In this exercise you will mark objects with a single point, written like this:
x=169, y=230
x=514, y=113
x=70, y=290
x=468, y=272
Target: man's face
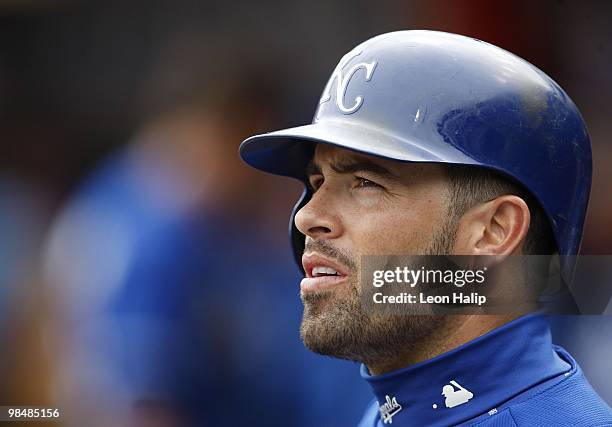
x=364, y=205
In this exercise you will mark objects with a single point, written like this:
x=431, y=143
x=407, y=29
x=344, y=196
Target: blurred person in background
x=156, y=262
x=24, y=360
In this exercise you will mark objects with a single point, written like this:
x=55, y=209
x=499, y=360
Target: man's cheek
x=391, y=241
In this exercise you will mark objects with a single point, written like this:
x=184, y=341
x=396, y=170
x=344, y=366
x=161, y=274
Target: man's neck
x=454, y=332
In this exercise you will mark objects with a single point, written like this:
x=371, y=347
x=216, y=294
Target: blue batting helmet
x=427, y=96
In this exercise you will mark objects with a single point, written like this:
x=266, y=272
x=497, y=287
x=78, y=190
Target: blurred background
x=146, y=275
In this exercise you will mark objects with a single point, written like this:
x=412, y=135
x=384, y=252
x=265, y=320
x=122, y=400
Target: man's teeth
x=323, y=271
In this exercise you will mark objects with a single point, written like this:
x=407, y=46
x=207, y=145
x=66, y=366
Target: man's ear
x=496, y=228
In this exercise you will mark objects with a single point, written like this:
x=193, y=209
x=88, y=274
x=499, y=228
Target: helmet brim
x=287, y=152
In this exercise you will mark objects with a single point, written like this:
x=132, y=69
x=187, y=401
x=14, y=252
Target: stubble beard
x=339, y=326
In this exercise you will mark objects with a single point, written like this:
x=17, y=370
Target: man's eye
x=366, y=183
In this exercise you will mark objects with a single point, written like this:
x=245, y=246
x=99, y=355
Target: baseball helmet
x=428, y=96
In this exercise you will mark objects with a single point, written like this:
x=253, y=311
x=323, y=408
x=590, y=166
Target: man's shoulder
x=569, y=402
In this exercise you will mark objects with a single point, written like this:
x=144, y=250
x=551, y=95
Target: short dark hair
x=470, y=185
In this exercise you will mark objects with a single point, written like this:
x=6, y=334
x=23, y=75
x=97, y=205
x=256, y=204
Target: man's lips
x=321, y=273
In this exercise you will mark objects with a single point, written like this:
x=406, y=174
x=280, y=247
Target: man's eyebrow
x=363, y=165
x=352, y=166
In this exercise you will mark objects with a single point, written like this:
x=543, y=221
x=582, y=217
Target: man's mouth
x=321, y=273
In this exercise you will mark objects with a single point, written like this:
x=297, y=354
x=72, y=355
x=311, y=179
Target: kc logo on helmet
x=342, y=81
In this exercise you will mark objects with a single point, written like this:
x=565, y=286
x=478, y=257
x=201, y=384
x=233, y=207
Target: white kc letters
x=342, y=81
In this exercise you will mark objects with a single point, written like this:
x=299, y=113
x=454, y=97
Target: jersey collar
x=471, y=379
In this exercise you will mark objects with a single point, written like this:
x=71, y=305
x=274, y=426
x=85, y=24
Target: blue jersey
x=511, y=376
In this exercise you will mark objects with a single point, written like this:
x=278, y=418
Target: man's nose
x=318, y=219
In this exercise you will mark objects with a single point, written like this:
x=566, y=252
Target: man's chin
x=333, y=324
x=318, y=339
x=340, y=328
